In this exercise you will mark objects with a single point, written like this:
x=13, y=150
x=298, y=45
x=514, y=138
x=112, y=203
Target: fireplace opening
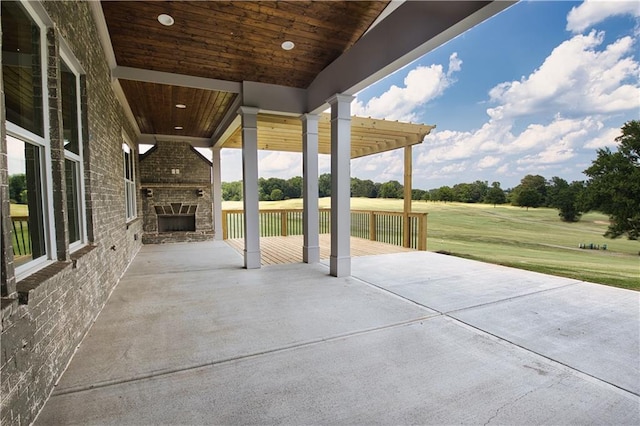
x=177, y=223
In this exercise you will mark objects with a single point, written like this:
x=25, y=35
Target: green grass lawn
x=533, y=239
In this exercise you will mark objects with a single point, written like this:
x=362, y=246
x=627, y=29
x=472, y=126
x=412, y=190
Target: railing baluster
x=21, y=243
x=283, y=222
x=15, y=233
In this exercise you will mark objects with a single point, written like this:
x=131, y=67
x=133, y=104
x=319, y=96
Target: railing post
x=408, y=166
x=422, y=233
x=406, y=240
x=372, y=226
x=283, y=222
x=225, y=229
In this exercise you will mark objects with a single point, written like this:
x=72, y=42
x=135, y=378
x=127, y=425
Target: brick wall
x=174, y=172
x=7, y=276
x=56, y=306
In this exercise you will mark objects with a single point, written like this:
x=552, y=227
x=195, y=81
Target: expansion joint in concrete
x=167, y=372
x=449, y=314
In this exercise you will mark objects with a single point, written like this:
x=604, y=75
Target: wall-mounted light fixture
x=200, y=192
x=148, y=192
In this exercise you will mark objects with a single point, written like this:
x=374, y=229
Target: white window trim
x=38, y=263
x=36, y=13
x=76, y=69
x=47, y=195
x=134, y=201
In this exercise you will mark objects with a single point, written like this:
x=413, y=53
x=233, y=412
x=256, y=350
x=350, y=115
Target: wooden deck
x=279, y=250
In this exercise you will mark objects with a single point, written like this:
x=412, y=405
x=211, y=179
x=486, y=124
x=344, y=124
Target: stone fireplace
x=176, y=194
x=176, y=217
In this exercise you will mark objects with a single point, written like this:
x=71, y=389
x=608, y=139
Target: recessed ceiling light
x=178, y=127
x=288, y=45
x=181, y=106
x=166, y=20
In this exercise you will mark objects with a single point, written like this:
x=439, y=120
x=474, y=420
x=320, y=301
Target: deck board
x=281, y=250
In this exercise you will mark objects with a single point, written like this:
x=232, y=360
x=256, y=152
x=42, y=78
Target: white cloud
x=539, y=146
x=448, y=145
x=488, y=161
x=592, y=12
x=560, y=132
x=604, y=138
x=454, y=168
x=503, y=170
x=380, y=167
x=455, y=64
x=575, y=78
x=270, y=164
x=553, y=154
x=421, y=85
x=324, y=164
x=280, y=164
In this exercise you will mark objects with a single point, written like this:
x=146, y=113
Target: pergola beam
x=368, y=136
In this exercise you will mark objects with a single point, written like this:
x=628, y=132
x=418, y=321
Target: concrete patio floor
x=189, y=337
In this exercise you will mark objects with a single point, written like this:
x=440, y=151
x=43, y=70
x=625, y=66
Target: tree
x=369, y=189
x=363, y=188
x=444, y=193
x=566, y=198
x=530, y=184
x=528, y=197
x=276, y=194
x=418, y=194
x=614, y=187
x=324, y=185
x=462, y=192
x=293, y=187
x=391, y=189
x=268, y=185
x=495, y=195
x=537, y=182
x=18, y=184
x=232, y=191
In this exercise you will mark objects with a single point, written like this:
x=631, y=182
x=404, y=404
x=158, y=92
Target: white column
x=250, y=187
x=340, y=259
x=217, y=194
x=310, y=218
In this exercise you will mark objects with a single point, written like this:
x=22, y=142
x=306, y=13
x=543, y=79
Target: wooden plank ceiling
x=198, y=111
x=225, y=40
x=368, y=135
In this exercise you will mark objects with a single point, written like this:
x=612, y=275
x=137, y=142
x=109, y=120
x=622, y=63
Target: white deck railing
x=383, y=226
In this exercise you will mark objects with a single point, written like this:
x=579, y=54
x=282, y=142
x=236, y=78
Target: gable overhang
x=413, y=29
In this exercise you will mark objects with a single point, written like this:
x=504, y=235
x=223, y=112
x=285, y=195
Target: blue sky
x=534, y=90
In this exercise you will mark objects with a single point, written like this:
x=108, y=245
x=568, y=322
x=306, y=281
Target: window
x=22, y=68
x=129, y=181
x=28, y=147
x=27, y=201
x=71, y=125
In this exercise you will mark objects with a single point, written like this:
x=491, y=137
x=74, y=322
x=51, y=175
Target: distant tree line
x=18, y=188
x=613, y=188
